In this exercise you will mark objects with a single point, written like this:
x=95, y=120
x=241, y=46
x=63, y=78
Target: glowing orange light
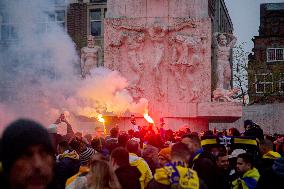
x=102, y=120
x=148, y=118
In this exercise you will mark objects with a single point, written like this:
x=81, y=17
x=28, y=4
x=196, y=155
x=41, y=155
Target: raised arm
x=215, y=38
x=233, y=41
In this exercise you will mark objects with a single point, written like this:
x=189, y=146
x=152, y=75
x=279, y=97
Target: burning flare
x=100, y=118
x=148, y=118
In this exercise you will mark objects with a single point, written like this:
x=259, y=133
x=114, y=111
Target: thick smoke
x=39, y=71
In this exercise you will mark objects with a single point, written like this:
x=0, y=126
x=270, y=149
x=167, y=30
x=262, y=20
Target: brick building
x=266, y=64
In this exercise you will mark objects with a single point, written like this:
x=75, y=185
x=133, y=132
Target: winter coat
x=141, y=164
x=203, y=163
x=67, y=165
x=272, y=177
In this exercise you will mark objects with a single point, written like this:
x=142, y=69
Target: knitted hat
x=52, y=128
x=86, y=155
x=18, y=137
x=166, y=153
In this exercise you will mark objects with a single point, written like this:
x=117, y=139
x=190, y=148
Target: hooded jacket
x=267, y=161
x=67, y=165
x=141, y=164
x=248, y=180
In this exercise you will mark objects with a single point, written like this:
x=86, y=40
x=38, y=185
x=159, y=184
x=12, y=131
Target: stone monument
x=163, y=48
x=90, y=57
x=224, y=42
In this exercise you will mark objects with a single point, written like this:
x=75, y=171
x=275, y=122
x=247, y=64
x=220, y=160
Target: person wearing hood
x=128, y=176
x=67, y=162
x=248, y=174
x=273, y=177
x=176, y=174
x=268, y=156
x=146, y=174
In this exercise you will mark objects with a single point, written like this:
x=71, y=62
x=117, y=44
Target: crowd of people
x=148, y=157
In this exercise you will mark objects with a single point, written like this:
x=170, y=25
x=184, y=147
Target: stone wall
x=270, y=117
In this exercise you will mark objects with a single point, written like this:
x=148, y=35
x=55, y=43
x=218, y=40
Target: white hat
x=237, y=152
x=52, y=128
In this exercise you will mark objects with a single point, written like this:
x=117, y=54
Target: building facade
x=84, y=17
x=266, y=64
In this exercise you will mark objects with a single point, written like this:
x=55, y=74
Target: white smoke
x=38, y=74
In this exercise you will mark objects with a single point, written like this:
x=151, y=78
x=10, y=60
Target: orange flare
x=148, y=118
x=100, y=118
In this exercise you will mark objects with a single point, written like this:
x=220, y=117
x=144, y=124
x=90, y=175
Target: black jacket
x=272, y=177
x=128, y=177
x=205, y=167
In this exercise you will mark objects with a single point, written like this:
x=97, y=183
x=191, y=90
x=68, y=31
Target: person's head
x=122, y=139
x=192, y=141
x=99, y=132
x=114, y=132
x=97, y=144
x=27, y=155
x=62, y=147
x=78, y=145
x=164, y=156
x=234, y=132
x=180, y=152
x=132, y=146
x=101, y=176
x=119, y=157
x=222, y=160
x=222, y=40
x=132, y=120
x=265, y=146
x=248, y=123
x=244, y=162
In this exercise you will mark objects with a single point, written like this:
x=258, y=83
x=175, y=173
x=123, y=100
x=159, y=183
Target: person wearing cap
x=164, y=156
x=27, y=157
x=52, y=130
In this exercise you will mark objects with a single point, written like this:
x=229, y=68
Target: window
x=8, y=29
x=263, y=83
x=46, y=22
x=96, y=21
x=275, y=54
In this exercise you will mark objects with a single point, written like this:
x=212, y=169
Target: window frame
x=264, y=83
x=275, y=53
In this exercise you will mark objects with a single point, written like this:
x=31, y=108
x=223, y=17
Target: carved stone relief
x=158, y=53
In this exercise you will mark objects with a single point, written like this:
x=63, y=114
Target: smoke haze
x=39, y=76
